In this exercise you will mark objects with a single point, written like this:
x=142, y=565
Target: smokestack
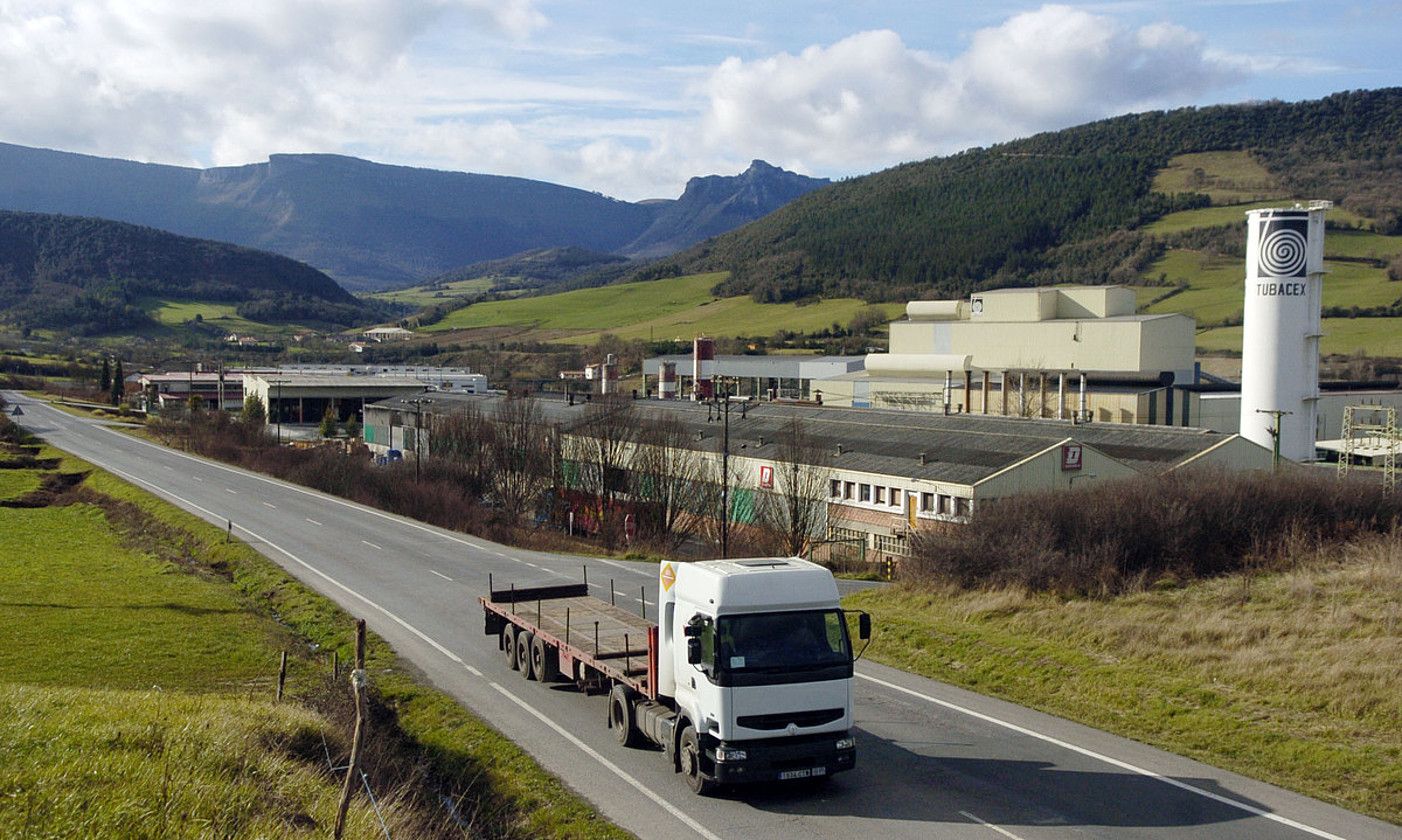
x=948, y=384
x=1082, y=413
x=703, y=368
x=1061, y=396
x=667, y=381
x=1281, y=327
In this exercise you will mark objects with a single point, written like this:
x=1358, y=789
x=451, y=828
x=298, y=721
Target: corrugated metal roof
x=958, y=448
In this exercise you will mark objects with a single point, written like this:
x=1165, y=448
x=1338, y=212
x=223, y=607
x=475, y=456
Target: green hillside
x=676, y=308
x=92, y=276
x=1073, y=205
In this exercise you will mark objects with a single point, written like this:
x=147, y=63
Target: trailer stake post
x=627, y=655
x=642, y=600
x=613, y=597
x=596, y=638
x=567, y=626
x=513, y=599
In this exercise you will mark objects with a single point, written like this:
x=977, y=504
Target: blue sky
x=631, y=99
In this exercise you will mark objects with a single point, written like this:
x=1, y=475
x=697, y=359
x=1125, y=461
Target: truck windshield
x=782, y=641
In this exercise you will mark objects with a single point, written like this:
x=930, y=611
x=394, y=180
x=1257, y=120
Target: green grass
x=80, y=609
x=80, y=762
x=17, y=483
x=1228, y=177
x=176, y=315
x=1342, y=336
x=676, y=308
x=1236, y=215
x=1290, y=677
x=1361, y=243
x=427, y=296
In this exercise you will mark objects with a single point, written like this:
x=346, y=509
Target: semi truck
x=745, y=675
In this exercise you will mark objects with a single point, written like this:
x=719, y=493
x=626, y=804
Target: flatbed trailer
x=563, y=631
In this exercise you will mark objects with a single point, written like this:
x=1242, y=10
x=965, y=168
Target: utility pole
x=279, y=408
x=723, y=394
x=418, y=433
x=1275, y=434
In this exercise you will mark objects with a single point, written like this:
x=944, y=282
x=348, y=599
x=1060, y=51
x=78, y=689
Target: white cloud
x=869, y=100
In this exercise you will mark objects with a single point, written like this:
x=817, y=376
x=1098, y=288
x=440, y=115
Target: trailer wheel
x=524, y=640
x=545, y=661
x=508, y=644
x=621, y=717
x=689, y=753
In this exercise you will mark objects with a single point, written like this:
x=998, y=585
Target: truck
x=745, y=676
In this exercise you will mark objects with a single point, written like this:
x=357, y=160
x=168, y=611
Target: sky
x=632, y=99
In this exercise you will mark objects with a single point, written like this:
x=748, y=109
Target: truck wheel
x=545, y=661
x=508, y=644
x=524, y=641
x=689, y=753
x=625, y=727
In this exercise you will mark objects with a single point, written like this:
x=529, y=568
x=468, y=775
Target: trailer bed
x=609, y=639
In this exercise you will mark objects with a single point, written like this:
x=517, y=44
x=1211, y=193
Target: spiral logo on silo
x=1284, y=247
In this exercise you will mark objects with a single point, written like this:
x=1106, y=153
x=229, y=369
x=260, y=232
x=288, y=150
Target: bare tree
x=669, y=482
x=795, y=511
x=466, y=438
x=600, y=447
x=522, y=463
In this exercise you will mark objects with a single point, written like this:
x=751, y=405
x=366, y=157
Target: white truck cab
x=756, y=657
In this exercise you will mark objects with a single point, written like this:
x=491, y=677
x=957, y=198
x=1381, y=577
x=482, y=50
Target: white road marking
x=986, y=824
x=440, y=574
x=270, y=505
x=372, y=545
x=227, y=490
x=197, y=478
x=471, y=670
x=1114, y=762
x=313, y=521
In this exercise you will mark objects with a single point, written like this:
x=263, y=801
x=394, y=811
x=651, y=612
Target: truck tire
x=524, y=640
x=545, y=661
x=691, y=759
x=508, y=644
x=622, y=719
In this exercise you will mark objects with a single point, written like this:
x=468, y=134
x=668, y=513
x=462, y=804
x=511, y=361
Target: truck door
x=697, y=691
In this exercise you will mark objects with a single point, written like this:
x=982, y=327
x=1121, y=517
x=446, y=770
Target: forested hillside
x=1057, y=207
x=91, y=276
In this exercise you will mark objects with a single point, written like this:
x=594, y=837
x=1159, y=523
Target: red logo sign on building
x=1070, y=456
x=766, y=477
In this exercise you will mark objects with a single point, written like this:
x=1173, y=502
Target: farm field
x=1228, y=177
x=429, y=295
x=1342, y=336
x=674, y=308
x=1234, y=214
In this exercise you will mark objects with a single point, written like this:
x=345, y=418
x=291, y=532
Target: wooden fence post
x=358, y=681
x=281, y=675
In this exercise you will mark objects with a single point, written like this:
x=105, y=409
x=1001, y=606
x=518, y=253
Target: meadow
x=672, y=309
x=427, y=295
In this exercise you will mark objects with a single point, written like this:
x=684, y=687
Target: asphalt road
x=933, y=761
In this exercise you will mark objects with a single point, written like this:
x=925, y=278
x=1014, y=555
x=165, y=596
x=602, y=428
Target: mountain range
x=373, y=226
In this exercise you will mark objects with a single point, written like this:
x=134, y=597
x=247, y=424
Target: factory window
x=927, y=502
x=864, y=493
x=835, y=488
x=895, y=497
x=961, y=507
x=847, y=489
x=944, y=505
x=881, y=495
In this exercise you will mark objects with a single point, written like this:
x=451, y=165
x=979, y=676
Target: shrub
x=1124, y=535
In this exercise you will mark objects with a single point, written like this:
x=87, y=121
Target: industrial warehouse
x=881, y=474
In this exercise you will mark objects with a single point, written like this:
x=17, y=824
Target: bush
x=1123, y=535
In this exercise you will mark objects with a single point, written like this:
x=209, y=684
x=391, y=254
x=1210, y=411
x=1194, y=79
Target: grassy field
x=1342, y=336
x=1236, y=215
x=677, y=308
x=1228, y=177
x=1287, y=677
x=1215, y=292
x=175, y=314
x=429, y=295
x=136, y=690
x=17, y=483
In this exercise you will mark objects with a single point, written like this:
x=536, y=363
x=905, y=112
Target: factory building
x=884, y=473
x=304, y=395
x=760, y=377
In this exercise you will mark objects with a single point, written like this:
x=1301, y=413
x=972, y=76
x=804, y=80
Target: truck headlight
x=730, y=754
x=848, y=743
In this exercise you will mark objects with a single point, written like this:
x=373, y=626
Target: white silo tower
x=1280, y=327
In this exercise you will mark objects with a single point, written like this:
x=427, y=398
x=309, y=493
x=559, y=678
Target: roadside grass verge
x=17, y=483
x=141, y=645
x=1289, y=677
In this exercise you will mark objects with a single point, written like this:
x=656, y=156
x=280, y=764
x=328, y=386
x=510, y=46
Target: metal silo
x=1281, y=328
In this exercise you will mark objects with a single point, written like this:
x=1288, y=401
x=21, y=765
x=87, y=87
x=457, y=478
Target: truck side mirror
x=864, y=626
x=691, y=630
x=693, y=651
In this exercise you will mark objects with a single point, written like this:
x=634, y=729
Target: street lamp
x=723, y=408
x=418, y=430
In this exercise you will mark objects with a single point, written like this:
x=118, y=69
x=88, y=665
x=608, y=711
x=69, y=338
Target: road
x=934, y=761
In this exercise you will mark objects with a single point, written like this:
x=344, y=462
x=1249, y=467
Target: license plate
x=806, y=773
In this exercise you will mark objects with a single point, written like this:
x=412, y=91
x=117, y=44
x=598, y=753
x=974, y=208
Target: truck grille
x=781, y=720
